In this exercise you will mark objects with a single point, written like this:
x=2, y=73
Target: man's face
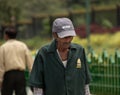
x=64, y=42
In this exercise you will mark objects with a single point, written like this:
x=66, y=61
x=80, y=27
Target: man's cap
x=63, y=27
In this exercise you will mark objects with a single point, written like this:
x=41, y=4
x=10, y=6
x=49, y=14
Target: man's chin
x=66, y=47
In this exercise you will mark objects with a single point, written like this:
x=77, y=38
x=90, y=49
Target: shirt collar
x=11, y=40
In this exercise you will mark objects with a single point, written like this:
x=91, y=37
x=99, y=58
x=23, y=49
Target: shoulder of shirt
x=15, y=41
x=44, y=48
x=77, y=46
x=20, y=42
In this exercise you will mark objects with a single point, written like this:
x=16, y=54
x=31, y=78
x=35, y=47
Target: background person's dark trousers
x=14, y=80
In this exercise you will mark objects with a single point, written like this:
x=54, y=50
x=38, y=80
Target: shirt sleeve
x=2, y=66
x=87, y=73
x=29, y=59
x=87, y=90
x=37, y=91
x=36, y=78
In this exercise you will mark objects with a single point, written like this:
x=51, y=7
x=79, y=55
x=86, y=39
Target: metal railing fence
x=105, y=72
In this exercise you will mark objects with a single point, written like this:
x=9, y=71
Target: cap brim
x=66, y=34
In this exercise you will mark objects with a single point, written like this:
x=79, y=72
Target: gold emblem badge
x=78, y=63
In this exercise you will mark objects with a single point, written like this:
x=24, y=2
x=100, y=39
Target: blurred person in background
x=60, y=68
x=14, y=58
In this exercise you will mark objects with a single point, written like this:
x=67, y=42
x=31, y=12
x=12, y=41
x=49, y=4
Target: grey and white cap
x=63, y=27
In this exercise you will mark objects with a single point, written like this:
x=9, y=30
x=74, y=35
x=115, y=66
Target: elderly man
x=60, y=68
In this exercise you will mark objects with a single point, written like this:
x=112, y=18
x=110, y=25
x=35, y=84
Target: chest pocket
x=80, y=68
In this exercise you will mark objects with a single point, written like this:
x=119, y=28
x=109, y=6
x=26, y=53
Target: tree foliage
x=8, y=9
x=25, y=8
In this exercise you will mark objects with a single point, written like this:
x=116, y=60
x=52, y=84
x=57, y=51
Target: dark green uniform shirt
x=49, y=73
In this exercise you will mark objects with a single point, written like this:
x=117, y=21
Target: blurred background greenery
x=34, y=15
x=24, y=9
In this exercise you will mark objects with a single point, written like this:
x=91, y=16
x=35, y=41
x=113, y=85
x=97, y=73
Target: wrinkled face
x=64, y=43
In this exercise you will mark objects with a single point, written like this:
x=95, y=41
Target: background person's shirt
x=14, y=55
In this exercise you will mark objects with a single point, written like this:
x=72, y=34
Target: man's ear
x=55, y=35
x=6, y=37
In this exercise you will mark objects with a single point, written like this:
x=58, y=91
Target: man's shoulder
x=3, y=45
x=77, y=46
x=44, y=48
x=20, y=42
